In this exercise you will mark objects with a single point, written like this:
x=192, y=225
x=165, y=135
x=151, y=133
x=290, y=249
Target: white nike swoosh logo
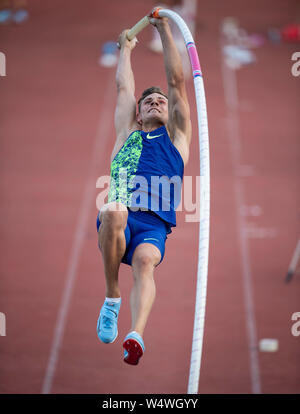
x=153, y=136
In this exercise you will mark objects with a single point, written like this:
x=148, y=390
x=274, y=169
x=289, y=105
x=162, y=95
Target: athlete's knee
x=143, y=261
x=114, y=216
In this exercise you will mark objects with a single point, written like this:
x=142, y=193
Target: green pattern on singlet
x=123, y=169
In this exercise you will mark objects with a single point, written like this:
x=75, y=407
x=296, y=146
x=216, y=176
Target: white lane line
x=294, y=262
x=232, y=102
x=98, y=154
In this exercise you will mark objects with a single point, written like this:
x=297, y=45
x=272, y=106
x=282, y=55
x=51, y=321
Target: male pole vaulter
x=152, y=143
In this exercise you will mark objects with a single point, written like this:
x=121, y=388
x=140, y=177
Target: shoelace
x=108, y=321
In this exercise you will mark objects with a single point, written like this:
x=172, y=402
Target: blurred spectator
x=291, y=32
x=13, y=11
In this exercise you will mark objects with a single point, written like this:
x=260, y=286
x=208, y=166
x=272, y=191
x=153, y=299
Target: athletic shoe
x=107, y=325
x=134, y=348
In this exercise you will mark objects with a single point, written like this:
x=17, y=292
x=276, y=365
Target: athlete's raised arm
x=125, y=112
x=179, y=124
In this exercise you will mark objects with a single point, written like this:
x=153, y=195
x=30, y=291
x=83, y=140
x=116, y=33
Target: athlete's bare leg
x=146, y=256
x=112, y=243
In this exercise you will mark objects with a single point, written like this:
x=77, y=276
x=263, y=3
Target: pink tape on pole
x=194, y=59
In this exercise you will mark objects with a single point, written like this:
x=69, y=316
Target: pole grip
x=137, y=28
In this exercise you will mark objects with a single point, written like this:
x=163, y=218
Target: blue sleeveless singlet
x=147, y=174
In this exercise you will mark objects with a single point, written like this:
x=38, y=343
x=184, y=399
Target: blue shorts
x=143, y=227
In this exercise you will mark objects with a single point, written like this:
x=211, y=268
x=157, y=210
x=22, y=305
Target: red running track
x=56, y=114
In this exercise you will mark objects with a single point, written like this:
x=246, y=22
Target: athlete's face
x=154, y=108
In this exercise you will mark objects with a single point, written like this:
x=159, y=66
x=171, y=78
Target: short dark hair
x=149, y=91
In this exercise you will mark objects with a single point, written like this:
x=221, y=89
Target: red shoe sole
x=135, y=351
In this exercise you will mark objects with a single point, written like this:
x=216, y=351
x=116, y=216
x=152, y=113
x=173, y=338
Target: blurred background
x=57, y=99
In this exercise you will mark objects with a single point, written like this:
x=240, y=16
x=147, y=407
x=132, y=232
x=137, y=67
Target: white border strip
x=88, y=197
